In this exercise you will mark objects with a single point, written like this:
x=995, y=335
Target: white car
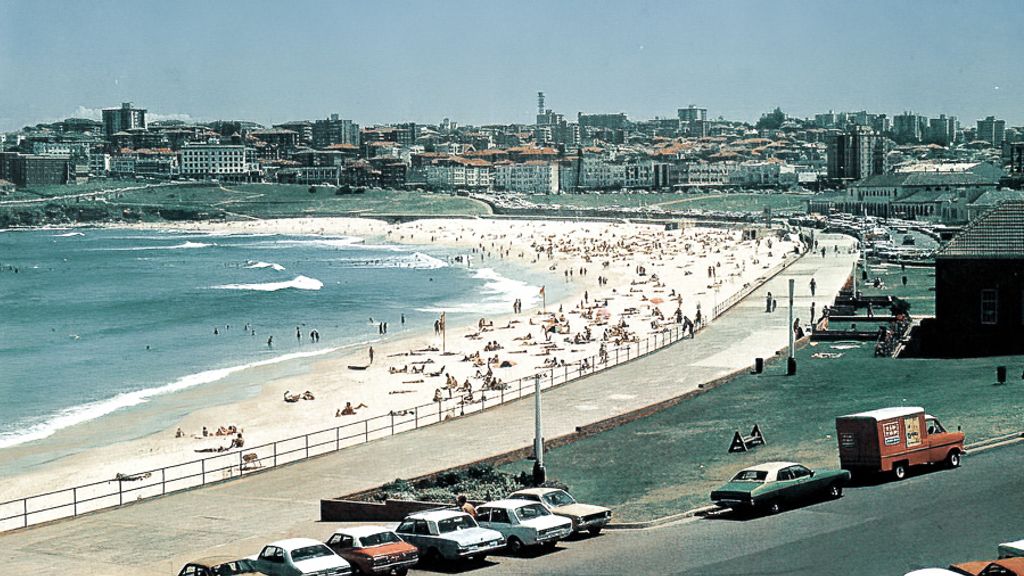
x=449, y=535
x=523, y=523
x=1011, y=549
x=585, y=517
x=300, y=557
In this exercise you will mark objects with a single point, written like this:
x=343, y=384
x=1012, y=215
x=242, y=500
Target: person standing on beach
x=768, y=303
x=403, y=319
x=270, y=342
x=298, y=334
x=371, y=354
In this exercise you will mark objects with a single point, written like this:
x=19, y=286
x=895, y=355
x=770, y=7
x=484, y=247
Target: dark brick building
x=979, y=289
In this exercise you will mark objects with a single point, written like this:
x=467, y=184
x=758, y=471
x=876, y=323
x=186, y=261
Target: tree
x=771, y=120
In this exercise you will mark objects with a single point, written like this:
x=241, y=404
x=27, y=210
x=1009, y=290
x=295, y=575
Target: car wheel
x=550, y=545
x=594, y=531
x=515, y=546
x=835, y=491
x=431, y=557
x=899, y=471
x=774, y=507
x=401, y=571
x=953, y=459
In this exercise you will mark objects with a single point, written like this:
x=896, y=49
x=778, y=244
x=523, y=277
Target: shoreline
x=259, y=416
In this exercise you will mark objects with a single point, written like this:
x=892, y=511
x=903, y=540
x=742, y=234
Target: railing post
x=275, y=454
x=202, y=464
x=417, y=416
x=616, y=355
x=392, y=423
x=520, y=387
x=120, y=493
x=566, y=373
x=24, y=511
x=163, y=481
x=241, y=472
x=366, y=430
x=306, y=438
x=74, y=501
x=337, y=438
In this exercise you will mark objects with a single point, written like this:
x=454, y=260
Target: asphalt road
x=933, y=518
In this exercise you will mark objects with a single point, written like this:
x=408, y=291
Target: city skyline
x=480, y=65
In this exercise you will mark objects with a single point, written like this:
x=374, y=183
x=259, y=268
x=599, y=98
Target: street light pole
x=791, y=362
x=539, y=474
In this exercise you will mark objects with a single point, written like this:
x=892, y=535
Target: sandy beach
x=627, y=282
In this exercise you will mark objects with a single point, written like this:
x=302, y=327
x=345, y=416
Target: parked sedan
x=772, y=486
x=449, y=535
x=374, y=550
x=523, y=523
x=300, y=557
x=218, y=566
x=584, y=517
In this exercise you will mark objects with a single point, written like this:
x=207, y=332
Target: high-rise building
x=909, y=128
x=858, y=153
x=124, y=118
x=942, y=130
x=992, y=131
x=334, y=130
x=693, y=114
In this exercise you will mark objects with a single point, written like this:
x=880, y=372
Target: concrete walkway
x=236, y=518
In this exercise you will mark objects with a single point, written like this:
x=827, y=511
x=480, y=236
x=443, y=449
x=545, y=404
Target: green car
x=772, y=486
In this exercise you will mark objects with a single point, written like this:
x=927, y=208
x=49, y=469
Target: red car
x=374, y=550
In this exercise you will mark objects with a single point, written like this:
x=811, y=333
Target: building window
x=989, y=302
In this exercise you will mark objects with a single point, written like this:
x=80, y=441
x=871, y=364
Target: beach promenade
x=237, y=518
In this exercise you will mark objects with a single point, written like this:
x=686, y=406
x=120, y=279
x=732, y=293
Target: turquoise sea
x=96, y=323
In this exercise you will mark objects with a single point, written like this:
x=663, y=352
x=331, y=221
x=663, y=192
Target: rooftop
x=999, y=233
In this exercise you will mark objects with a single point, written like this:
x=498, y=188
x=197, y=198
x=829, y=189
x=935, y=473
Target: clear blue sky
x=481, y=61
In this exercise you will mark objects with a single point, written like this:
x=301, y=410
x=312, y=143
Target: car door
x=783, y=488
x=272, y=561
x=342, y=544
x=407, y=530
x=805, y=485
x=501, y=522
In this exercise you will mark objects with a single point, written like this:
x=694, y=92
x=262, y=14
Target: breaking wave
x=298, y=283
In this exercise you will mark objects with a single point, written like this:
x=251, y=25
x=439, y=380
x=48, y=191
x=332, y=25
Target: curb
x=976, y=447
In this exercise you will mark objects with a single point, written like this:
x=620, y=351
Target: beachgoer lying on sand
x=132, y=477
x=226, y=430
x=401, y=412
x=438, y=373
x=402, y=370
x=349, y=409
x=307, y=395
x=291, y=397
x=237, y=442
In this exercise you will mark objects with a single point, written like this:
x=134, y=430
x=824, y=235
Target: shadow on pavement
x=454, y=567
x=530, y=552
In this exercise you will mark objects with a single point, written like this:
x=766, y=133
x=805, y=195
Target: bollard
x=758, y=365
x=791, y=367
x=1001, y=374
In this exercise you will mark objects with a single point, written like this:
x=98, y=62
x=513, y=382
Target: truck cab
x=894, y=439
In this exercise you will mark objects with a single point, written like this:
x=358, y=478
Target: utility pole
x=791, y=363
x=539, y=474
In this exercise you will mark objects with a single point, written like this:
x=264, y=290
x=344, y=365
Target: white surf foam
x=252, y=264
x=498, y=294
x=93, y=410
x=299, y=283
x=416, y=260
x=68, y=234
x=183, y=246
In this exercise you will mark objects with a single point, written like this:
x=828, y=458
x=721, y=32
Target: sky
x=481, y=61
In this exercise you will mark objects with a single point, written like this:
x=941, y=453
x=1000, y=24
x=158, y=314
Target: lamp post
x=539, y=474
x=791, y=362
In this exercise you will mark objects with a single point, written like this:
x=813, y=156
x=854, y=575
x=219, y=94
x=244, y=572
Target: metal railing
x=71, y=502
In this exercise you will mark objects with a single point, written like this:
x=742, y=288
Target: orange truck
x=893, y=440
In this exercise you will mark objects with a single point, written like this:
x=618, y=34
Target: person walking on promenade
x=465, y=506
x=814, y=286
x=768, y=302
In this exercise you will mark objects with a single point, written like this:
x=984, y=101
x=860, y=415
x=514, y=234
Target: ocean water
x=97, y=323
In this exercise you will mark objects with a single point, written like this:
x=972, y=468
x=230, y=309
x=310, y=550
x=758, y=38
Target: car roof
x=360, y=531
x=508, y=503
x=771, y=466
x=1014, y=564
x=293, y=543
x=887, y=413
x=536, y=491
x=436, y=515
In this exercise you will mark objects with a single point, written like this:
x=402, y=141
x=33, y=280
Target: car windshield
x=559, y=498
x=462, y=522
x=751, y=476
x=379, y=539
x=531, y=511
x=307, y=552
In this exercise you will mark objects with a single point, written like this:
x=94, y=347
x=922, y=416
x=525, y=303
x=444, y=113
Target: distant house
x=979, y=289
